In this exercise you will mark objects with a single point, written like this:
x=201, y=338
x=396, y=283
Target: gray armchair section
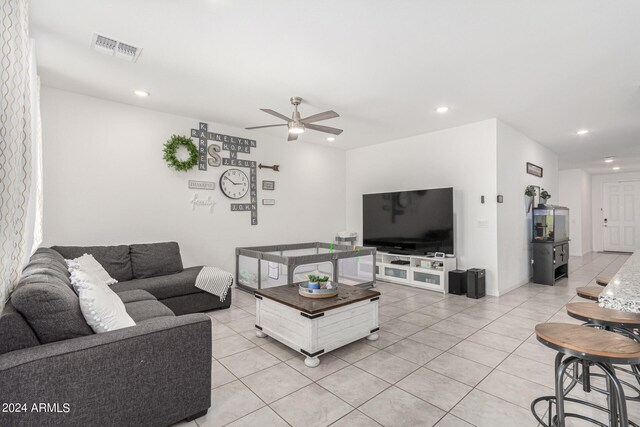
x=153, y=374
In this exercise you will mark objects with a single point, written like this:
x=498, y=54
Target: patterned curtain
x=19, y=145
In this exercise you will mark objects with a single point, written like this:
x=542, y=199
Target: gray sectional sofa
x=155, y=373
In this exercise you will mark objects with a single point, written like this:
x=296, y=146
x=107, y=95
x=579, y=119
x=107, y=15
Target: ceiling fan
x=297, y=125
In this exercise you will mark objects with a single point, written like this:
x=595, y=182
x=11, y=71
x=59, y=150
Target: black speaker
x=476, y=282
x=458, y=282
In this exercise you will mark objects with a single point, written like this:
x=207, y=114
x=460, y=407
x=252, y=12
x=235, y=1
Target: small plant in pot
x=314, y=281
x=323, y=281
x=529, y=193
x=544, y=195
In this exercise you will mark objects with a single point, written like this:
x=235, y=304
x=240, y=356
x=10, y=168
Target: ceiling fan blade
x=326, y=129
x=292, y=137
x=320, y=116
x=275, y=113
x=266, y=126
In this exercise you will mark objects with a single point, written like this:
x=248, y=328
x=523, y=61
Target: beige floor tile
x=435, y=339
x=419, y=319
x=353, y=385
x=479, y=353
x=387, y=366
x=355, y=419
x=497, y=341
x=275, y=382
x=400, y=328
x=453, y=328
x=249, y=361
x=264, y=417
x=355, y=351
x=397, y=408
x=452, y=421
x=230, y=345
x=483, y=410
x=219, y=330
x=385, y=339
x=434, y=388
x=538, y=352
x=311, y=406
x=463, y=370
x=513, y=389
x=220, y=375
x=328, y=365
x=528, y=369
x=230, y=402
x=413, y=351
x=280, y=350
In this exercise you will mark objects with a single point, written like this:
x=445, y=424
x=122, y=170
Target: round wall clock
x=234, y=184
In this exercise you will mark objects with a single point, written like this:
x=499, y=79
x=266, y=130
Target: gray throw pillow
x=155, y=259
x=114, y=259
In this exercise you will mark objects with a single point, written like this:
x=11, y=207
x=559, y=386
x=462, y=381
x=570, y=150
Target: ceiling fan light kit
x=297, y=125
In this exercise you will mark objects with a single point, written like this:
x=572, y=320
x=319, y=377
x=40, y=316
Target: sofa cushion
x=135, y=295
x=15, y=332
x=146, y=310
x=164, y=286
x=114, y=259
x=155, y=259
x=50, y=307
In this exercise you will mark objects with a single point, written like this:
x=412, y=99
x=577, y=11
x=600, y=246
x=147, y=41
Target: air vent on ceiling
x=116, y=48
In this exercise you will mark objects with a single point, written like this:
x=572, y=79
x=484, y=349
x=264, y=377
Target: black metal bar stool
x=589, y=292
x=577, y=344
x=603, y=280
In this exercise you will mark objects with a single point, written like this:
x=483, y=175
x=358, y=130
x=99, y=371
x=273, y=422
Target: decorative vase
x=529, y=202
x=314, y=285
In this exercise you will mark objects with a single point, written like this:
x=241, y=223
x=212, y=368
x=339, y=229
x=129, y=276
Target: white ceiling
x=546, y=67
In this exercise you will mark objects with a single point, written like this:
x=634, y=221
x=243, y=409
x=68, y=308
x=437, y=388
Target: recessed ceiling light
x=141, y=93
x=331, y=138
x=442, y=109
x=582, y=132
x=616, y=168
x=608, y=159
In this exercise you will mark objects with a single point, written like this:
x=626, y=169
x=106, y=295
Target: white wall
x=575, y=193
x=463, y=158
x=596, y=196
x=514, y=150
x=105, y=182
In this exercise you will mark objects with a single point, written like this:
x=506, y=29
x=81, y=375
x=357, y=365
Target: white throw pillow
x=86, y=267
x=102, y=308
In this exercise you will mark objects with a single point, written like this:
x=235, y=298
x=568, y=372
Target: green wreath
x=170, y=148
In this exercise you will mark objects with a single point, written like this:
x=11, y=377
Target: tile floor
x=442, y=360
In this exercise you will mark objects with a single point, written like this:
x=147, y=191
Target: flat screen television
x=419, y=221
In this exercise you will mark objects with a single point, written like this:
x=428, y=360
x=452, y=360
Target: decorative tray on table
x=329, y=290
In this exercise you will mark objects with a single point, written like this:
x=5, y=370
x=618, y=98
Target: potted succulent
x=313, y=281
x=529, y=194
x=544, y=195
x=322, y=281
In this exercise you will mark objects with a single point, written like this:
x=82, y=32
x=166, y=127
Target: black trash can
x=476, y=282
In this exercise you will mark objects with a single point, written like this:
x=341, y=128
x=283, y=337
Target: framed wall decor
x=268, y=202
x=268, y=185
x=534, y=170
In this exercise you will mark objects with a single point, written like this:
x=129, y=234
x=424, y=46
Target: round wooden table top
x=592, y=311
x=590, y=341
x=603, y=280
x=589, y=292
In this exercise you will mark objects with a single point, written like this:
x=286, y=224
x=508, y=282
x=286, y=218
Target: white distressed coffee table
x=316, y=326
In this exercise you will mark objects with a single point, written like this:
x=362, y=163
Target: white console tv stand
x=422, y=271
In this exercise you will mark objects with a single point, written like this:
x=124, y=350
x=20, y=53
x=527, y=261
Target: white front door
x=621, y=216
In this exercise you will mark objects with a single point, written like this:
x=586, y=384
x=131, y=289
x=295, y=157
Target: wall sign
x=233, y=145
x=268, y=185
x=534, y=170
x=202, y=185
x=268, y=202
x=197, y=201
